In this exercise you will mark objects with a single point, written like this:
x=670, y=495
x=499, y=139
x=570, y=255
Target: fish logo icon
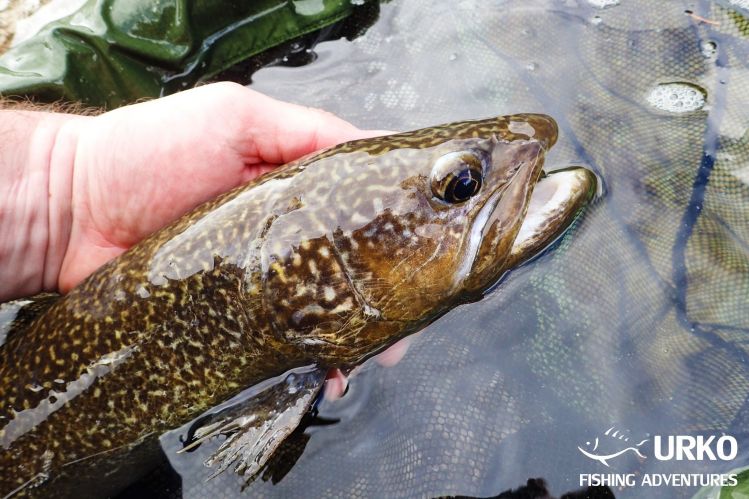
x=613, y=444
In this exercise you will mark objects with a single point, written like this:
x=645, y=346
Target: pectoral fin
x=289, y=452
x=256, y=427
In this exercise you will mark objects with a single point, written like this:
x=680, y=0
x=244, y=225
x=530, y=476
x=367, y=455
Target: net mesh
x=640, y=316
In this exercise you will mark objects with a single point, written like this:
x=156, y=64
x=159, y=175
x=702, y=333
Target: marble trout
x=321, y=263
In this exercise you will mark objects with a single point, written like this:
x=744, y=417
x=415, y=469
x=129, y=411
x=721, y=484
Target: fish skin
x=326, y=261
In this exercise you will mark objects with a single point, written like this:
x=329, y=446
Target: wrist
x=61, y=176
x=36, y=167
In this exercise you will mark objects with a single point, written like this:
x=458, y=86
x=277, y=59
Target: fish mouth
x=555, y=202
x=526, y=213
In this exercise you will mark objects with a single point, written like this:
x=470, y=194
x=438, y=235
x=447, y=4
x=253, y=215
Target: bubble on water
x=677, y=97
x=453, y=56
x=602, y=4
x=709, y=47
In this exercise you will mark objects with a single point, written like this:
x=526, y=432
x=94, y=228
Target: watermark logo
x=612, y=444
x=699, y=448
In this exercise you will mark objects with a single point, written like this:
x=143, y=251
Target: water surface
x=639, y=319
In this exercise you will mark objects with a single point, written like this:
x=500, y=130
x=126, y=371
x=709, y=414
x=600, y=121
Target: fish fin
x=289, y=452
x=17, y=315
x=256, y=427
x=285, y=457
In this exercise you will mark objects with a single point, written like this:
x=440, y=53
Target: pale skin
x=77, y=191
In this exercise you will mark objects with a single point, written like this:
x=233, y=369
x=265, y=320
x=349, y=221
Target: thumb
x=277, y=132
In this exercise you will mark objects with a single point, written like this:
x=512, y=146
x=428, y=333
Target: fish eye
x=456, y=177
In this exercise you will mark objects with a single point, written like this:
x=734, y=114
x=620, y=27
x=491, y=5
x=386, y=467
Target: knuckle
x=227, y=90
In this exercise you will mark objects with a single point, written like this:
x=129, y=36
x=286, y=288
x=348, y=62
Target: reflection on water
x=639, y=319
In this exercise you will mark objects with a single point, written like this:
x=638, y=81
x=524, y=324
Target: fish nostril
x=546, y=129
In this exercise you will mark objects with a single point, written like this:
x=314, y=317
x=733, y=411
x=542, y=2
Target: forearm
x=36, y=152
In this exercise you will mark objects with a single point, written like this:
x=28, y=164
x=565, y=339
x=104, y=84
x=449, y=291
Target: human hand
x=140, y=167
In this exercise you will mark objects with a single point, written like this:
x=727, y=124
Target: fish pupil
x=466, y=184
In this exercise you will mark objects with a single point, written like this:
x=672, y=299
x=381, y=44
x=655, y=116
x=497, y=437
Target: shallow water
x=637, y=320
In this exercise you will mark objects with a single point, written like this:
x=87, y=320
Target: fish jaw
x=519, y=164
x=555, y=202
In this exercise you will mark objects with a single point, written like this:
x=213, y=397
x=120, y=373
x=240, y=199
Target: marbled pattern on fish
x=324, y=262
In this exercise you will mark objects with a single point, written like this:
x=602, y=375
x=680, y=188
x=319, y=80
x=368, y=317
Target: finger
x=394, y=353
x=279, y=132
x=335, y=385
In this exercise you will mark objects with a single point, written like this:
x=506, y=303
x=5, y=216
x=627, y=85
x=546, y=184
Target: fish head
x=429, y=219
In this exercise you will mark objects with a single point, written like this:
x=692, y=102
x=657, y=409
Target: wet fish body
x=322, y=263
